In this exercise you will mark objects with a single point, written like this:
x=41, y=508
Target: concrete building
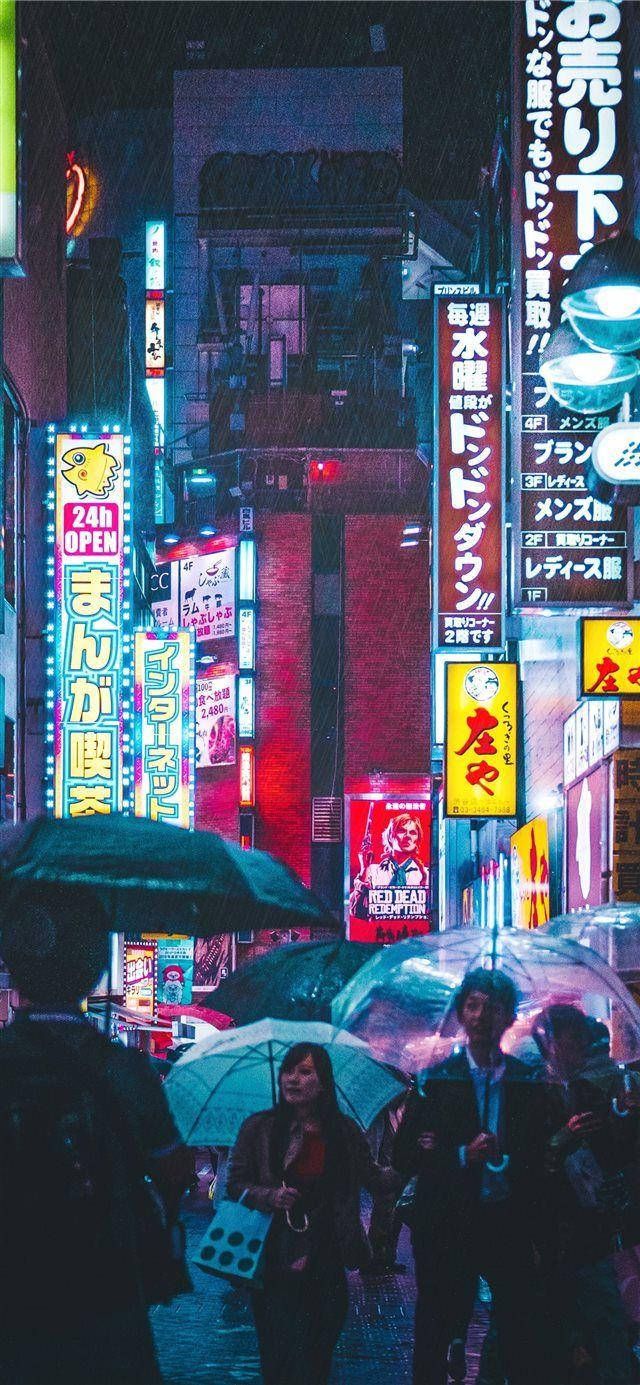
x=34, y=392
x=293, y=356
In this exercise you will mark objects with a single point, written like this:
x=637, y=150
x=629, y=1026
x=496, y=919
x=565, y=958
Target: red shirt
x=309, y=1163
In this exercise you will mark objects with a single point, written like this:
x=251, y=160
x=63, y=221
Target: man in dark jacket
x=82, y=1121
x=474, y=1140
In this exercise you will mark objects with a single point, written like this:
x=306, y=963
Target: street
x=208, y=1335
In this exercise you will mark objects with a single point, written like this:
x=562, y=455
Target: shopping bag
x=234, y=1245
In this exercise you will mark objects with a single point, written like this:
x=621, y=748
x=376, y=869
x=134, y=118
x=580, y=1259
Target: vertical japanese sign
x=140, y=978
x=569, y=169
x=155, y=350
x=164, y=726
x=625, y=874
x=388, y=867
x=530, y=875
x=610, y=662
x=9, y=247
x=89, y=629
x=469, y=528
x=481, y=739
x=586, y=840
x=216, y=721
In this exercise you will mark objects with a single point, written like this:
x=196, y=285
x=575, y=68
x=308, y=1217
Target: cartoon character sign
x=92, y=470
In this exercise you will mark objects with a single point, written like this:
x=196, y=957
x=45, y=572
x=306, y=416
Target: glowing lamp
x=602, y=295
x=583, y=381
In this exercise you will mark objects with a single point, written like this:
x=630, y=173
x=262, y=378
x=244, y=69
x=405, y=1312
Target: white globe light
x=618, y=301
x=591, y=368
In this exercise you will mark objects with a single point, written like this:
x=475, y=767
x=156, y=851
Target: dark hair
x=54, y=942
x=327, y=1108
x=496, y=984
x=557, y=1020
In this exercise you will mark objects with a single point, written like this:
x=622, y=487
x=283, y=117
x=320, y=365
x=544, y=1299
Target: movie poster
x=211, y=961
x=388, y=846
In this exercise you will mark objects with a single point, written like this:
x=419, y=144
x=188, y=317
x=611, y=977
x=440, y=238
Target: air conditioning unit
x=326, y=819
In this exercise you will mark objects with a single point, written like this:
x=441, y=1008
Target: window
x=282, y=313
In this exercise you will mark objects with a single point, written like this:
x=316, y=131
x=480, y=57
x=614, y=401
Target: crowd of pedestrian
x=524, y=1173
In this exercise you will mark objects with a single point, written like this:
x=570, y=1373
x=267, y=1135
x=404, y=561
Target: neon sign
x=164, y=736
x=89, y=621
x=155, y=353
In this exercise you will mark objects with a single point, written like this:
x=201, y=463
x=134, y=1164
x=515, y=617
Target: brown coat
x=251, y=1172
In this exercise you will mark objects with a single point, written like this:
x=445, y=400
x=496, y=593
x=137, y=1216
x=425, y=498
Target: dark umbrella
x=154, y=878
x=296, y=982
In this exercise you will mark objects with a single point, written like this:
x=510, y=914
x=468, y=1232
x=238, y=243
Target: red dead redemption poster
x=388, y=868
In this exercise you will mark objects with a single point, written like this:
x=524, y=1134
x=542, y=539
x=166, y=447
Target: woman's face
x=407, y=836
x=301, y=1086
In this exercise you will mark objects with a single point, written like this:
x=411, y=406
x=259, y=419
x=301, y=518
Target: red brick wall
x=216, y=808
x=386, y=649
x=283, y=692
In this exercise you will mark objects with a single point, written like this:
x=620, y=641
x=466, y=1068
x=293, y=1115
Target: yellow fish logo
x=92, y=470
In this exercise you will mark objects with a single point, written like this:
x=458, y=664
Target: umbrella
x=612, y=930
x=402, y=1001
x=159, y=878
x=296, y=982
x=223, y=1079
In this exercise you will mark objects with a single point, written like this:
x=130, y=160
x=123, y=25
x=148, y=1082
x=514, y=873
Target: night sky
x=455, y=57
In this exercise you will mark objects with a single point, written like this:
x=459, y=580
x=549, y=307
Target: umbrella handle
x=499, y=1168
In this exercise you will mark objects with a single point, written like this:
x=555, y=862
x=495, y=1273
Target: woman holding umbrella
x=305, y=1162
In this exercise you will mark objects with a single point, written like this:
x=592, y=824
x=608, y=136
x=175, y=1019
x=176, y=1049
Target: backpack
x=65, y=1181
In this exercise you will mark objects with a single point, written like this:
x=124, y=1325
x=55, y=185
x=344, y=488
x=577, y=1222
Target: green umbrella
x=155, y=878
x=223, y=1079
x=296, y=982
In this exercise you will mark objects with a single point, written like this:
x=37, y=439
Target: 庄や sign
x=610, y=658
x=481, y=737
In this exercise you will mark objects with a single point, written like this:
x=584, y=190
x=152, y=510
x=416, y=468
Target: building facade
x=292, y=400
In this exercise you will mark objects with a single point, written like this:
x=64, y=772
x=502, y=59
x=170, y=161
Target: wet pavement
x=208, y=1335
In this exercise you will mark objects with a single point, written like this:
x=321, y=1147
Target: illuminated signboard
x=9, y=247
x=154, y=337
x=140, y=977
x=247, y=776
x=625, y=877
x=196, y=589
x=388, y=867
x=155, y=351
x=246, y=705
x=154, y=257
x=468, y=495
x=570, y=145
x=530, y=875
x=246, y=637
x=207, y=596
x=216, y=721
x=90, y=611
x=164, y=726
x=610, y=662
x=481, y=736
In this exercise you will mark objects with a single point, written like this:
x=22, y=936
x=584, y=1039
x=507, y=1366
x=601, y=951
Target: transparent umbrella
x=402, y=1001
x=611, y=930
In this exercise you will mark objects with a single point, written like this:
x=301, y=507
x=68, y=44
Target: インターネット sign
x=163, y=726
